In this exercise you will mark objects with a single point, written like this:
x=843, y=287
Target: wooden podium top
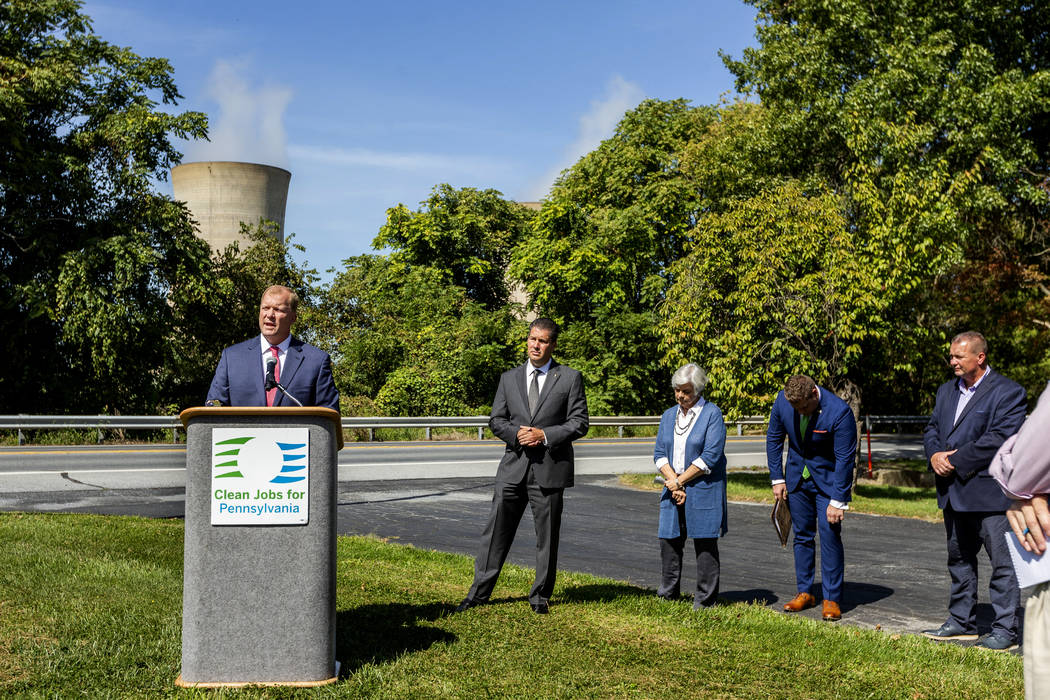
x=266, y=411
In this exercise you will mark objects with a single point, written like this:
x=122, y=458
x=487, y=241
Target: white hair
x=690, y=374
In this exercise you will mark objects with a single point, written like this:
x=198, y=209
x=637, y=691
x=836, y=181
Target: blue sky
x=371, y=104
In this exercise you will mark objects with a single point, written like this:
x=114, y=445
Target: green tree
x=771, y=287
x=428, y=328
x=615, y=221
x=404, y=341
x=467, y=234
x=928, y=124
x=93, y=263
x=598, y=258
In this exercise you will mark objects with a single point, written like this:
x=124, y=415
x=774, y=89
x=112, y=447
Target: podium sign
x=260, y=476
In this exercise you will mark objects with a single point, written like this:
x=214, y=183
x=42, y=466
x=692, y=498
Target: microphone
x=271, y=366
x=271, y=380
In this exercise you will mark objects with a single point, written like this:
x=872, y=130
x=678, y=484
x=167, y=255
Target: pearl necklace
x=680, y=429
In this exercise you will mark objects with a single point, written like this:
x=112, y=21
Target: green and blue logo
x=293, y=460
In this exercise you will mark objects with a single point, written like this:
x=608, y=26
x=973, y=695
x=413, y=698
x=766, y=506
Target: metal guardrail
x=97, y=423
x=373, y=423
x=369, y=423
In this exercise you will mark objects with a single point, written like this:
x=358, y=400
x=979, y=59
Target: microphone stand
x=285, y=392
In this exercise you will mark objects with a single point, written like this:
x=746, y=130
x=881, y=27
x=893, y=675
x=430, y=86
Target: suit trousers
x=1037, y=643
x=708, y=567
x=967, y=532
x=809, y=517
x=508, y=505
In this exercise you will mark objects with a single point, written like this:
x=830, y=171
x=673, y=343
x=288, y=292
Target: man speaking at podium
x=253, y=373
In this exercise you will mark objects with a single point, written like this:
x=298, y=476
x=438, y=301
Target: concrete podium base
x=230, y=684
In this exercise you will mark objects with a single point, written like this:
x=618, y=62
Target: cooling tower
x=222, y=194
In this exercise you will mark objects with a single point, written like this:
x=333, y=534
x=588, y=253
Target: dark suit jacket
x=307, y=375
x=828, y=448
x=994, y=413
x=561, y=413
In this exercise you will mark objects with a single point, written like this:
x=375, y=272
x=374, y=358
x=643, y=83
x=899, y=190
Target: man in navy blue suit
x=817, y=482
x=302, y=369
x=973, y=416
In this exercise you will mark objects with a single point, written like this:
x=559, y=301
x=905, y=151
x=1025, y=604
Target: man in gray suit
x=539, y=409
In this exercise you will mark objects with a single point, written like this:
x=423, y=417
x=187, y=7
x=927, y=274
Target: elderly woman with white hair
x=690, y=454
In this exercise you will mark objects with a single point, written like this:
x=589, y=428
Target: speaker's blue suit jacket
x=995, y=412
x=828, y=448
x=307, y=375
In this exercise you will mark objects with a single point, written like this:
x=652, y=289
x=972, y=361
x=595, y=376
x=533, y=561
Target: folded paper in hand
x=781, y=517
x=1031, y=568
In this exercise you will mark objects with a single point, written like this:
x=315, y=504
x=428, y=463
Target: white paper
x=1031, y=568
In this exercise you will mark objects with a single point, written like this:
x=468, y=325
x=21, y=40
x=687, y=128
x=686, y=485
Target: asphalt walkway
x=896, y=575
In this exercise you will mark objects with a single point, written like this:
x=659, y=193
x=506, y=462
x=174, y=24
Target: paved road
x=87, y=469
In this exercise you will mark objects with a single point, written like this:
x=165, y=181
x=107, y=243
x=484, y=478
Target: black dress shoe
x=467, y=604
x=950, y=630
x=540, y=608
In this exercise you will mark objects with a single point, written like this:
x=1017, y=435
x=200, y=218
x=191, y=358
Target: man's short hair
x=799, y=387
x=545, y=324
x=293, y=298
x=690, y=374
x=974, y=340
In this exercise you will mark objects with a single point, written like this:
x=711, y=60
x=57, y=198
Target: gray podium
x=259, y=569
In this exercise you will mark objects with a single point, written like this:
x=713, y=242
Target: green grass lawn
x=90, y=607
x=753, y=486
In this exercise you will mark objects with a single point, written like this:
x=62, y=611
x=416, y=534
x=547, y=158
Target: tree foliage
x=927, y=124
x=770, y=284
x=406, y=342
x=94, y=265
x=616, y=219
x=598, y=257
x=466, y=234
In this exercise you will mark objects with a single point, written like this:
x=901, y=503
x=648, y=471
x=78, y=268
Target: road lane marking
x=349, y=446
x=93, y=471
x=613, y=458
x=159, y=450
x=405, y=446
x=363, y=465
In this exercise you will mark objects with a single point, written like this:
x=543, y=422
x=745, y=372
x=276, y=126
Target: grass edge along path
x=90, y=606
x=752, y=486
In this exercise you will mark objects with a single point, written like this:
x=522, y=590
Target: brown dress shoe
x=802, y=601
x=831, y=611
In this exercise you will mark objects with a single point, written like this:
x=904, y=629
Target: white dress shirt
x=541, y=380
x=282, y=352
